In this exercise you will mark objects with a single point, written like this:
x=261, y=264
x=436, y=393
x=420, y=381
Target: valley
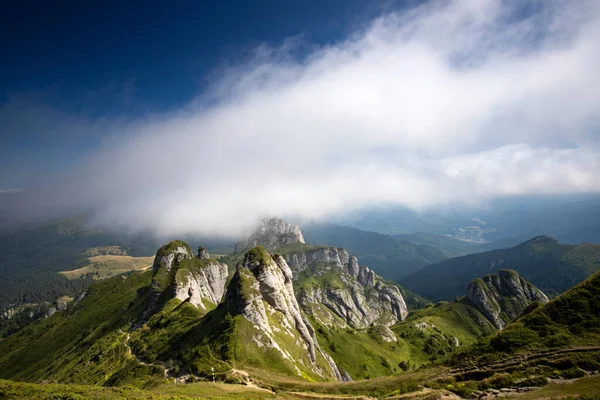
x=280, y=318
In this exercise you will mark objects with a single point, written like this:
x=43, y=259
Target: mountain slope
x=550, y=266
x=33, y=256
x=84, y=344
x=503, y=297
x=391, y=257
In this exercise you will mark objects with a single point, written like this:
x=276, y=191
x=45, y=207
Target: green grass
x=572, y=319
x=582, y=387
x=552, y=267
x=21, y=390
x=82, y=345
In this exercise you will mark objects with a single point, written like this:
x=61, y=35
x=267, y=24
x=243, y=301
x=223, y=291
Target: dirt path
x=132, y=354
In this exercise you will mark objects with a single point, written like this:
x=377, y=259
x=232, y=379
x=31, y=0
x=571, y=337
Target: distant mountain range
x=551, y=266
x=570, y=219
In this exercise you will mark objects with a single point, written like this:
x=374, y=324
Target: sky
x=198, y=117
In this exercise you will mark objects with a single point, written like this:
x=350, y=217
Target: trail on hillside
x=518, y=359
x=132, y=354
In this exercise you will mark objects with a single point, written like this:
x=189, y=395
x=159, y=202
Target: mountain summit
x=271, y=234
x=504, y=296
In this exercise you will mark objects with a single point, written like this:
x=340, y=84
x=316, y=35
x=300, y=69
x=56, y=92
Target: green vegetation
x=390, y=257
x=257, y=255
x=364, y=354
x=20, y=390
x=33, y=256
x=86, y=344
x=550, y=266
x=572, y=319
x=106, y=266
x=441, y=324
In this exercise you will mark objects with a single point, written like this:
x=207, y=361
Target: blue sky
x=136, y=56
x=108, y=59
x=169, y=116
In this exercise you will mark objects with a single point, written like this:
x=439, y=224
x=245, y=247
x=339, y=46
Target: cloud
x=424, y=107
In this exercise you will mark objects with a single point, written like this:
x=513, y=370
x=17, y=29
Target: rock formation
x=340, y=291
x=262, y=291
x=203, y=253
x=504, y=296
x=336, y=284
x=271, y=234
x=200, y=280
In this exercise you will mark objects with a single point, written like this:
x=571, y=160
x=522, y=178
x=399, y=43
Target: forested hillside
x=33, y=256
x=549, y=265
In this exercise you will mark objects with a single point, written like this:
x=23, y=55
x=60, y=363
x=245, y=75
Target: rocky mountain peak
x=261, y=287
x=504, y=296
x=338, y=291
x=539, y=240
x=271, y=234
x=203, y=253
x=177, y=274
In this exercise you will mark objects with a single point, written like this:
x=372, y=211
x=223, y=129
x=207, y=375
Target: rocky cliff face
x=262, y=292
x=339, y=292
x=271, y=234
x=177, y=273
x=504, y=296
x=330, y=284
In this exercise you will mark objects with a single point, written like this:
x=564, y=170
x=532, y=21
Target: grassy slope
x=550, y=266
x=106, y=266
x=560, y=339
x=572, y=319
x=364, y=354
x=18, y=390
x=84, y=345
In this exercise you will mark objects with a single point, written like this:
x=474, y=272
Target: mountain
x=392, y=257
x=33, y=256
x=276, y=318
x=190, y=313
x=549, y=265
x=552, y=342
x=503, y=297
x=271, y=234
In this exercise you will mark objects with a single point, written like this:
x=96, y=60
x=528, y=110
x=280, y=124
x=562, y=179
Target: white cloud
x=439, y=104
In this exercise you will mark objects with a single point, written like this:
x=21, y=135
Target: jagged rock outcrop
x=504, y=296
x=203, y=253
x=339, y=292
x=353, y=268
x=202, y=282
x=178, y=274
x=271, y=234
x=262, y=291
x=357, y=298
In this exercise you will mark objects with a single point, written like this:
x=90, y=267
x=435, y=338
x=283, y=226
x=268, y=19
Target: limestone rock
x=353, y=267
x=203, y=253
x=271, y=234
x=177, y=274
x=203, y=283
x=263, y=286
x=504, y=296
x=342, y=293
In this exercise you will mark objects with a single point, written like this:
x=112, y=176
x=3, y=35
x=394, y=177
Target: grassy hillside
x=106, y=266
x=550, y=266
x=85, y=344
x=449, y=246
x=558, y=340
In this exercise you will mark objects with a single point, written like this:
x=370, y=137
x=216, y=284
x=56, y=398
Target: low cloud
x=431, y=106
